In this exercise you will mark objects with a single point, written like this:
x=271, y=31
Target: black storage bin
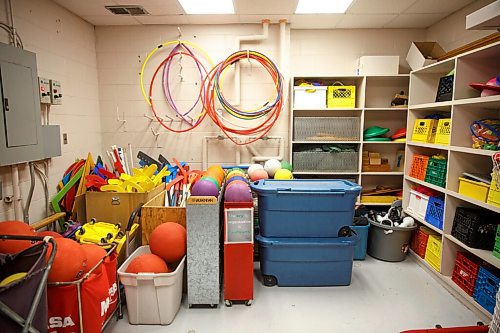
x=475, y=228
x=445, y=89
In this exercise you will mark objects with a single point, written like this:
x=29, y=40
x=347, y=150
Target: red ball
x=69, y=263
x=168, y=241
x=147, y=263
x=49, y=233
x=17, y=228
x=94, y=254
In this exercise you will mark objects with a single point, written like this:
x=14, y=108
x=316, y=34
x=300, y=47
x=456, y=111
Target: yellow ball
x=12, y=278
x=283, y=174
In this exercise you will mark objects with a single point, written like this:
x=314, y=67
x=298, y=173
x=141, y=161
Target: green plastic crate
x=496, y=249
x=436, y=172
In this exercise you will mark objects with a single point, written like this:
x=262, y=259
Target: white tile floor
x=383, y=297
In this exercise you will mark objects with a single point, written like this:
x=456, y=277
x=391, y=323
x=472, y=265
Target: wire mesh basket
x=326, y=161
x=327, y=128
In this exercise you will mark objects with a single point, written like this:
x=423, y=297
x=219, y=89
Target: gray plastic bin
x=389, y=243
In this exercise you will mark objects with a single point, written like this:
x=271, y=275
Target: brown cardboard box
x=116, y=207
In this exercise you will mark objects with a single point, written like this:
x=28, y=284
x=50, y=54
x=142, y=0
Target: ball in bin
x=94, y=254
x=259, y=174
x=147, y=263
x=17, y=228
x=253, y=168
x=168, y=241
x=286, y=165
x=271, y=166
x=243, y=179
x=204, y=187
x=69, y=263
x=283, y=174
x=238, y=193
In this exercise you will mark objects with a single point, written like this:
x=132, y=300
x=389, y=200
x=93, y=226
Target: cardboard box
x=116, y=207
x=422, y=54
x=378, y=65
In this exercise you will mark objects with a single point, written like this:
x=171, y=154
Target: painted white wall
x=450, y=32
x=65, y=48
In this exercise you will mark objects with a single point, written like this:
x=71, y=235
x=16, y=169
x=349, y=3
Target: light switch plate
x=55, y=92
x=44, y=90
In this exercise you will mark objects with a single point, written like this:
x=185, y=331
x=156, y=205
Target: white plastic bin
x=309, y=97
x=418, y=204
x=152, y=298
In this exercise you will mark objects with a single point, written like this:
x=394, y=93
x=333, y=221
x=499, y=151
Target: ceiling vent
x=132, y=10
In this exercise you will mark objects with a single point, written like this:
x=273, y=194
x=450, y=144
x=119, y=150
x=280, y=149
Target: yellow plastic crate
x=443, y=132
x=341, y=97
x=473, y=189
x=424, y=130
x=494, y=193
x=379, y=198
x=433, y=252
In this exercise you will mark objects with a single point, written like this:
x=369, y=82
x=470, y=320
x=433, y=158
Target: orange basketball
x=94, y=254
x=217, y=169
x=168, y=241
x=217, y=176
x=147, y=263
x=17, y=228
x=49, y=233
x=69, y=263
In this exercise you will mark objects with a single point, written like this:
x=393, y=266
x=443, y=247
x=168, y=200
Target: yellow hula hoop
x=159, y=47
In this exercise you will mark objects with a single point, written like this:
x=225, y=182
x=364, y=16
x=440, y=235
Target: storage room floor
x=383, y=297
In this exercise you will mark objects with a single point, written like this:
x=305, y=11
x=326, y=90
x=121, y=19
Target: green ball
x=213, y=180
x=286, y=165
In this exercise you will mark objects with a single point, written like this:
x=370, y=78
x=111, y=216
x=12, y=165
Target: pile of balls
x=271, y=169
x=210, y=183
x=237, y=188
x=167, y=245
x=72, y=260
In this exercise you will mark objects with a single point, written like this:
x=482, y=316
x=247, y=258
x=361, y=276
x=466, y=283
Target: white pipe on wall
x=16, y=189
x=237, y=69
x=261, y=158
x=282, y=44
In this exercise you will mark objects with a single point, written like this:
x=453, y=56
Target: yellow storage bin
x=433, y=252
x=424, y=130
x=494, y=193
x=443, y=132
x=473, y=189
x=340, y=96
x=379, y=198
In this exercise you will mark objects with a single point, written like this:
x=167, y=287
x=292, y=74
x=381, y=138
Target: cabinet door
x=17, y=105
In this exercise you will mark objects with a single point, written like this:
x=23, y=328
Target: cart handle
x=135, y=213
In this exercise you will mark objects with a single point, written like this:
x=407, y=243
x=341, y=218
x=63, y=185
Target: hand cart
x=23, y=303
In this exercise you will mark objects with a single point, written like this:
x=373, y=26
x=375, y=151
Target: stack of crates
x=433, y=252
x=486, y=288
x=305, y=237
x=436, y=172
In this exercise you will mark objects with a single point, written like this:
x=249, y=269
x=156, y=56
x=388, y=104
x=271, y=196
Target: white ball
x=271, y=166
x=254, y=167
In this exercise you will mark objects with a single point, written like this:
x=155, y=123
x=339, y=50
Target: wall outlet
x=65, y=138
x=44, y=90
x=55, y=92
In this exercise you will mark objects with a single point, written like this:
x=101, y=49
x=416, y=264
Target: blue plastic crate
x=435, y=212
x=360, y=249
x=307, y=261
x=486, y=282
x=486, y=301
x=305, y=207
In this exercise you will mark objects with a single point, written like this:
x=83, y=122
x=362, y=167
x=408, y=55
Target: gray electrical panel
x=22, y=136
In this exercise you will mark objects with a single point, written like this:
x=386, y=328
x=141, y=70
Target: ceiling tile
x=212, y=19
x=156, y=7
x=379, y=6
x=415, y=20
x=111, y=20
x=259, y=18
x=315, y=21
x=351, y=21
x=87, y=8
x=440, y=6
x=265, y=6
x=162, y=19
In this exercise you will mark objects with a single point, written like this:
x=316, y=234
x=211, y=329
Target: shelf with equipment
x=443, y=115
x=322, y=133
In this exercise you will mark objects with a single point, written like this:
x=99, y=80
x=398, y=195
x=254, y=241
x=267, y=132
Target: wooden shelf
x=389, y=173
x=429, y=185
x=377, y=203
x=474, y=201
x=386, y=109
x=324, y=173
x=427, y=145
x=483, y=254
x=424, y=222
x=327, y=109
x=324, y=142
x=383, y=143
x=438, y=106
x=469, y=150
x=487, y=102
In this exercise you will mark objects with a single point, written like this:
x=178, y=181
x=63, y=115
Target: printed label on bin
x=239, y=225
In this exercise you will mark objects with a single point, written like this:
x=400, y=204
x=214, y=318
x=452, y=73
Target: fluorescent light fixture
x=322, y=6
x=207, y=6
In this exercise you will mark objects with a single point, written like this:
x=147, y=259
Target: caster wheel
x=120, y=316
x=120, y=234
x=92, y=220
x=103, y=241
x=118, y=226
x=81, y=231
x=344, y=232
x=109, y=235
x=269, y=280
x=213, y=306
x=228, y=303
x=248, y=303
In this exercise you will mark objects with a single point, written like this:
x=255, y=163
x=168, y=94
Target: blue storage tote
x=305, y=207
x=306, y=261
x=435, y=212
x=486, y=288
x=360, y=249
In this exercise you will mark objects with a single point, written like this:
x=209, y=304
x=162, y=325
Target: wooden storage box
x=116, y=207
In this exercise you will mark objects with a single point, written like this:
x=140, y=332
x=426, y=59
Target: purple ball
x=238, y=193
x=237, y=178
x=204, y=187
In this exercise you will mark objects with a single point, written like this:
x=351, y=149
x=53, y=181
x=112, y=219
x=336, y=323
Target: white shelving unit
x=464, y=108
x=373, y=107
